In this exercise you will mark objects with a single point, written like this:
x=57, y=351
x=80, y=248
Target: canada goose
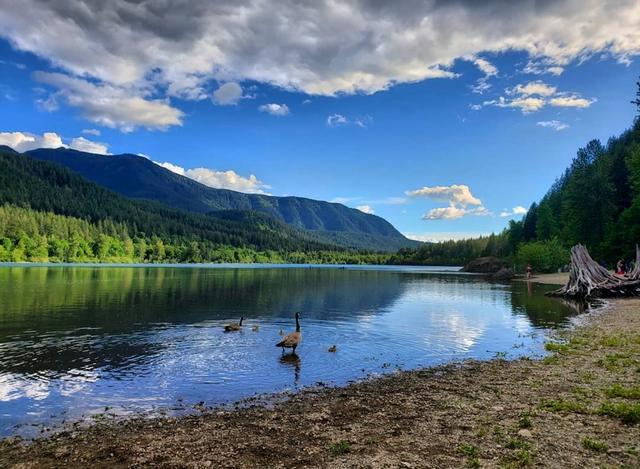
x=233, y=326
x=292, y=340
x=332, y=349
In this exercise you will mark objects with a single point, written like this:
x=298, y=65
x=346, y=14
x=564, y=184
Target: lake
x=75, y=340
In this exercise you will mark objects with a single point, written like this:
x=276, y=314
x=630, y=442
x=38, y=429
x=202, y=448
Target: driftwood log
x=588, y=279
x=635, y=272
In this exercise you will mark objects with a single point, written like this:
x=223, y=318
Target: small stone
x=497, y=408
x=524, y=433
x=405, y=464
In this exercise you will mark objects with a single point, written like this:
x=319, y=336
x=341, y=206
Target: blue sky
x=440, y=145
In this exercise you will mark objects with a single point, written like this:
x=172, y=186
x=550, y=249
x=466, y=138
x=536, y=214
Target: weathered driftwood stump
x=588, y=279
x=635, y=273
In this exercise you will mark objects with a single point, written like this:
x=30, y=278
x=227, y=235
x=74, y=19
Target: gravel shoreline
x=579, y=407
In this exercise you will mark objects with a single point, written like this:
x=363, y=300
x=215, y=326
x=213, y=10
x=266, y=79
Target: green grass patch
x=341, y=447
x=627, y=413
x=616, y=361
x=613, y=341
x=471, y=452
x=618, y=390
x=561, y=405
x=525, y=420
x=517, y=443
x=556, y=347
x=594, y=445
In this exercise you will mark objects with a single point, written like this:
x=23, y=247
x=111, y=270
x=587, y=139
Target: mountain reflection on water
x=76, y=339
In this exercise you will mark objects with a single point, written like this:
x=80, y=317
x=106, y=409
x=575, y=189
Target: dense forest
x=49, y=213
x=596, y=202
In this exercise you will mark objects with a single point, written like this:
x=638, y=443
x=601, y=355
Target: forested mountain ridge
x=45, y=205
x=139, y=178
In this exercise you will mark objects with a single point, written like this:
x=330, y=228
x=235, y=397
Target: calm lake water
x=74, y=340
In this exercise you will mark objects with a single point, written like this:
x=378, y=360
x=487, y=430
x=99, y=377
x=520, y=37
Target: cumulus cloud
x=459, y=197
x=321, y=47
x=94, y=132
x=515, y=211
x=275, y=109
x=111, y=106
x=25, y=141
x=456, y=194
x=228, y=94
x=533, y=96
x=553, y=124
x=220, y=179
x=366, y=209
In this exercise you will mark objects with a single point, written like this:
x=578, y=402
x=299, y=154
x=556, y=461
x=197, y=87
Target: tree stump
x=588, y=279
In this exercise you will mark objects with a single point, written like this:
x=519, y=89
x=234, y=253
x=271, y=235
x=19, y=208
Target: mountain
x=46, y=187
x=139, y=178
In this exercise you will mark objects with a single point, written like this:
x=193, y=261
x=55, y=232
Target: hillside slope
x=48, y=187
x=137, y=177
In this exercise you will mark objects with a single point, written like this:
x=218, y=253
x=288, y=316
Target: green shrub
x=595, y=445
x=628, y=413
x=341, y=447
x=543, y=256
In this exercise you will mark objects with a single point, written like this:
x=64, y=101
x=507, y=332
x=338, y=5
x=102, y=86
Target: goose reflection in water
x=292, y=360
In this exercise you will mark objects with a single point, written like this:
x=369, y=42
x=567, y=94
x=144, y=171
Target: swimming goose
x=292, y=340
x=233, y=326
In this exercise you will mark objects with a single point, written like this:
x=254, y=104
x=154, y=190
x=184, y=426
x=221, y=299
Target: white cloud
x=228, y=94
x=220, y=179
x=275, y=109
x=366, y=209
x=571, y=101
x=459, y=197
x=445, y=213
x=82, y=144
x=533, y=88
x=489, y=70
x=111, y=106
x=322, y=47
x=553, y=124
x=94, y=132
x=516, y=211
x=533, y=96
x=25, y=141
x=335, y=120
x=456, y=194
x=338, y=120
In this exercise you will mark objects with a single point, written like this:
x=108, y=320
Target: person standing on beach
x=529, y=270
